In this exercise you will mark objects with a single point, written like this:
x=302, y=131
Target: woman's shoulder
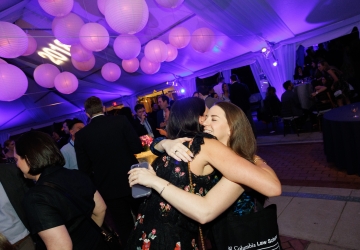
x=198, y=140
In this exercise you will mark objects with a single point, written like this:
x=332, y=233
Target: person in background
x=220, y=81
x=59, y=136
x=214, y=95
x=164, y=103
x=142, y=124
x=9, y=155
x=68, y=150
x=63, y=206
x=154, y=110
x=105, y=151
x=271, y=107
x=195, y=94
x=204, y=93
x=225, y=93
x=240, y=95
x=14, y=223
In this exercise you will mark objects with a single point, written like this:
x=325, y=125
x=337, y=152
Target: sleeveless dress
x=159, y=226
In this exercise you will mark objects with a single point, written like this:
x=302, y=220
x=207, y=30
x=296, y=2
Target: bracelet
x=164, y=188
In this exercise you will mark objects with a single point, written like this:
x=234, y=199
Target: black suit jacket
x=239, y=95
x=106, y=148
x=140, y=128
x=15, y=186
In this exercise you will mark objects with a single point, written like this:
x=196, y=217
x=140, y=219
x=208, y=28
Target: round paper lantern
x=131, y=65
x=111, y=72
x=127, y=46
x=156, y=51
x=45, y=74
x=127, y=16
x=2, y=61
x=172, y=53
x=149, y=67
x=13, y=40
x=169, y=3
x=203, y=40
x=79, y=53
x=66, y=29
x=85, y=65
x=179, y=37
x=101, y=6
x=66, y=83
x=32, y=45
x=57, y=7
x=94, y=36
x=13, y=82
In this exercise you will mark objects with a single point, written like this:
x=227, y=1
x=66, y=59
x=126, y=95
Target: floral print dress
x=159, y=226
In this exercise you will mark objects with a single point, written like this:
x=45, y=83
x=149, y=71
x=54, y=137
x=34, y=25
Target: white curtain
x=189, y=85
x=286, y=56
x=256, y=70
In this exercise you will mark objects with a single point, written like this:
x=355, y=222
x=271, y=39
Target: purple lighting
x=275, y=63
x=182, y=91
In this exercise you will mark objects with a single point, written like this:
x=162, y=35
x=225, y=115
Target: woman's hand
x=143, y=176
x=177, y=150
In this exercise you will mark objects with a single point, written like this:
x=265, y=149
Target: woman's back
x=160, y=226
x=47, y=207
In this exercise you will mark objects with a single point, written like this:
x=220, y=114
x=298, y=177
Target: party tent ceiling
x=241, y=29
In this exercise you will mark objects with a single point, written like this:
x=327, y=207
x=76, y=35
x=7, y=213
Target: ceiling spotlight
x=275, y=63
x=167, y=83
x=182, y=90
x=263, y=50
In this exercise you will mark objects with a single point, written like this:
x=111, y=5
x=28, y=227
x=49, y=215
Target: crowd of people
x=78, y=178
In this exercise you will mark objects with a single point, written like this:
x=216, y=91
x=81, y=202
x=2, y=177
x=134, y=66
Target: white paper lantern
x=203, y=40
x=172, y=53
x=32, y=45
x=149, y=67
x=130, y=65
x=169, y=3
x=66, y=83
x=156, y=51
x=57, y=7
x=127, y=16
x=13, y=82
x=84, y=65
x=2, y=61
x=127, y=46
x=67, y=28
x=111, y=72
x=45, y=74
x=13, y=40
x=94, y=37
x=101, y=6
x=179, y=37
x=79, y=53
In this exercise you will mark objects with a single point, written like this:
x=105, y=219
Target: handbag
x=258, y=230
x=110, y=237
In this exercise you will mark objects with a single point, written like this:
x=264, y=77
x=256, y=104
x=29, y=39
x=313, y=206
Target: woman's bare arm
x=98, y=214
x=56, y=238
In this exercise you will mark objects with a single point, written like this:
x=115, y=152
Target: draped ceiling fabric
x=241, y=29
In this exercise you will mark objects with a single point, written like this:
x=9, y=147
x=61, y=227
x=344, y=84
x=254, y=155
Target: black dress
x=158, y=225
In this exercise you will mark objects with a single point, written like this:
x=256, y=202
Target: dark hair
x=39, y=151
x=241, y=140
x=164, y=98
x=139, y=106
x=7, y=143
x=213, y=95
x=286, y=84
x=204, y=90
x=196, y=92
x=73, y=122
x=270, y=90
x=222, y=86
x=68, y=122
x=93, y=105
x=184, y=117
x=234, y=78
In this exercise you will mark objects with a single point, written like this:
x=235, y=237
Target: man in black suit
x=13, y=220
x=142, y=124
x=239, y=95
x=105, y=150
